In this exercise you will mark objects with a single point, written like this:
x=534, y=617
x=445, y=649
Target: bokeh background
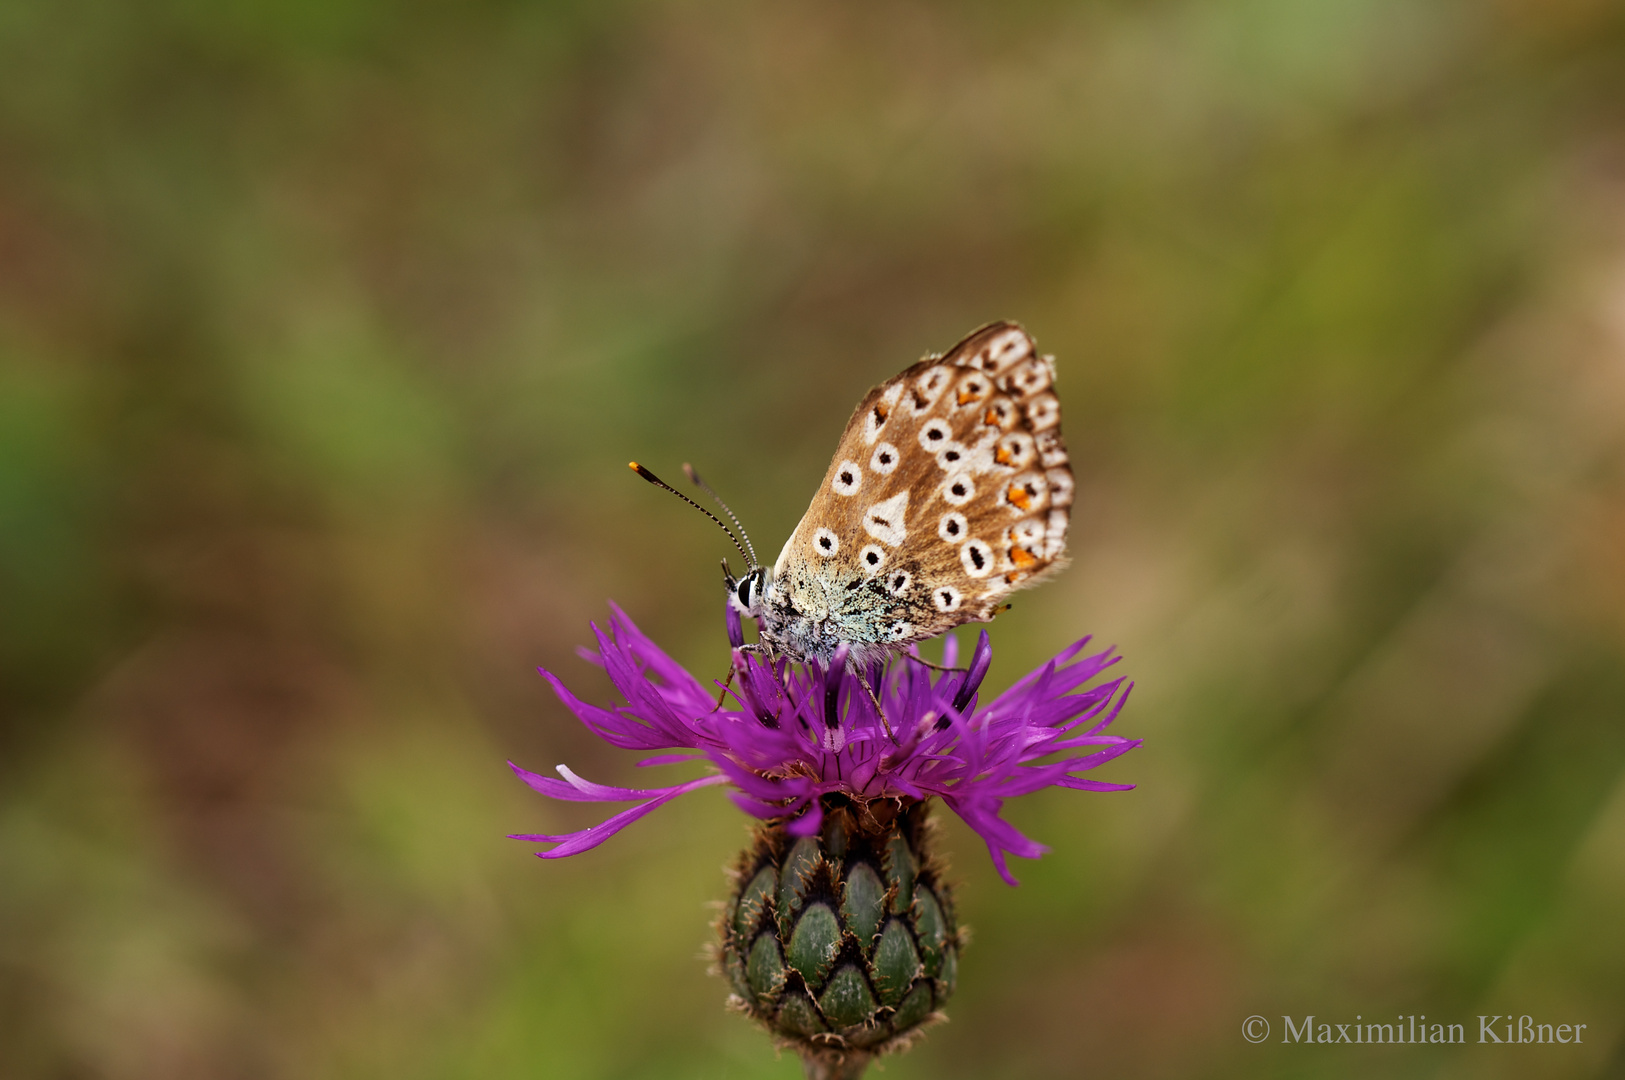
x=328, y=326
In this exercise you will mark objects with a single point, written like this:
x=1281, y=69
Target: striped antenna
x=703, y=486
x=659, y=483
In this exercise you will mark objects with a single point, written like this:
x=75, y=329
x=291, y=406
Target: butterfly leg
x=933, y=667
x=722, y=695
x=733, y=670
x=864, y=679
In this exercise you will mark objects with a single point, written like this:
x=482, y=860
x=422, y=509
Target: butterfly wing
x=950, y=488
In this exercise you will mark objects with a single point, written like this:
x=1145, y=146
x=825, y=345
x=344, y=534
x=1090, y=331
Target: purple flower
x=800, y=732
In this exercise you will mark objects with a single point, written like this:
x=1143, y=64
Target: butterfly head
x=748, y=593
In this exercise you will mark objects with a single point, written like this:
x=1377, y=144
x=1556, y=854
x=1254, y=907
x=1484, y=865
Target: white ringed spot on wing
x=899, y=582
x=1060, y=486
x=826, y=543
x=1051, y=450
x=880, y=412
x=884, y=459
x=953, y=527
x=1030, y=376
x=1007, y=348
x=929, y=386
x=1027, y=493
x=1043, y=411
x=902, y=630
x=1015, y=450
x=1027, y=533
x=872, y=558
x=875, y=421
x=934, y=434
x=977, y=558
x=958, y=490
x=1000, y=413
x=848, y=478
x=946, y=598
x=885, y=520
x=1055, y=534
x=950, y=456
x=973, y=390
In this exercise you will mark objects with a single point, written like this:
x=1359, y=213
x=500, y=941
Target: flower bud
x=842, y=944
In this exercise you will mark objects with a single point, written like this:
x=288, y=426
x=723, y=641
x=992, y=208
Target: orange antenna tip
x=659, y=483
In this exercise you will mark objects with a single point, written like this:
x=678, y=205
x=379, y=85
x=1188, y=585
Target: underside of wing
x=950, y=488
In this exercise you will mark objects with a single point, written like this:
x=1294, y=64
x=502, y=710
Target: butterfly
x=949, y=489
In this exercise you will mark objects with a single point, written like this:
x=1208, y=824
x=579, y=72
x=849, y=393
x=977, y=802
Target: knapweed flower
x=840, y=934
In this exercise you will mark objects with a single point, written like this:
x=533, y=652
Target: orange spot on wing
x=991, y=418
x=1002, y=455
x=1022, y=557
x=1018, y=497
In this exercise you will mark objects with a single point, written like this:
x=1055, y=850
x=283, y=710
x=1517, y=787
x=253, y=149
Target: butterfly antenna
x=703, y=486
x=659, y=483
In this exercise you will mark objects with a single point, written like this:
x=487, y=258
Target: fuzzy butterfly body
x=950, y=489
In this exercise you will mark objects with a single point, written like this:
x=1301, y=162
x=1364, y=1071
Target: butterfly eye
x=749, y=590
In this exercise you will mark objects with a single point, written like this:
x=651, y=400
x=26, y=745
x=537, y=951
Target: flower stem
x=849, y=1067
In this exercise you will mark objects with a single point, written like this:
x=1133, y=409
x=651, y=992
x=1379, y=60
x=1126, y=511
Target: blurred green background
x=327, y=328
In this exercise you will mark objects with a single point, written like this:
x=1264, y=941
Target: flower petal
x=804, y=731
x=586, y=839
